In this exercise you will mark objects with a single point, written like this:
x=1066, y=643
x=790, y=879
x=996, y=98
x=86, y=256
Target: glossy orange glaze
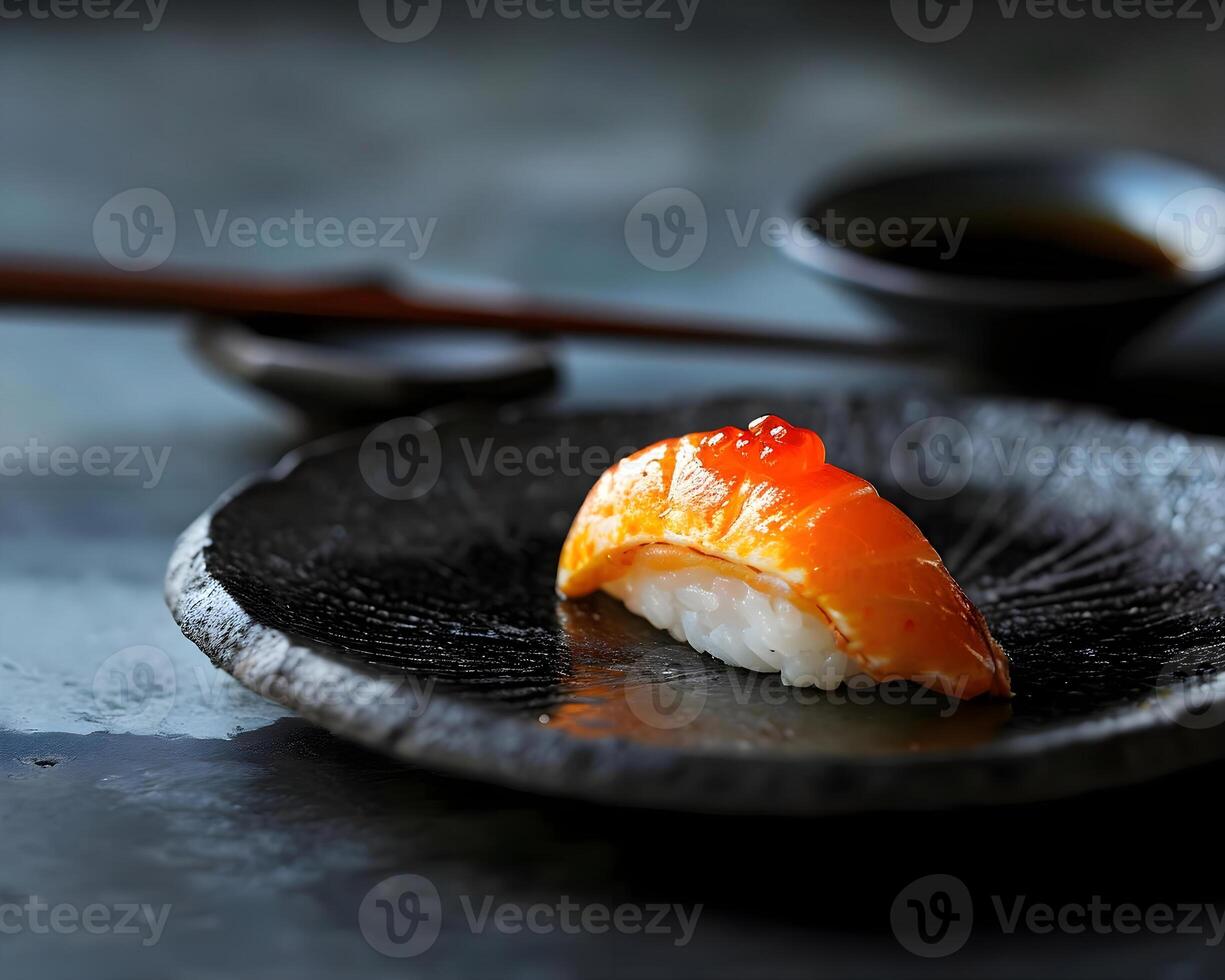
x=765, y=498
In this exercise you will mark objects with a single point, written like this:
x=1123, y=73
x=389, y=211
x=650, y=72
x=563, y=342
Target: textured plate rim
x=1069, y=760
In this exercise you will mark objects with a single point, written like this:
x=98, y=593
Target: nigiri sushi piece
x=752, y=548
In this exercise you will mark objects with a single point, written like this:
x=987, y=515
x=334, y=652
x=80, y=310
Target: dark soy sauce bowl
x=1063, y=256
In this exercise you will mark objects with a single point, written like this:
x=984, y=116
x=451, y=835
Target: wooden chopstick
x=318, y=308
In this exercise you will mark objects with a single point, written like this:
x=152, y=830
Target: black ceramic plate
x=397, y=588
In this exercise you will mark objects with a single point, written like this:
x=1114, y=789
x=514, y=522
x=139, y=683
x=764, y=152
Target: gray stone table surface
x=528, y=141
x=263, y=834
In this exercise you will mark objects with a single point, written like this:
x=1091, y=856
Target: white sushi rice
x=728, y=618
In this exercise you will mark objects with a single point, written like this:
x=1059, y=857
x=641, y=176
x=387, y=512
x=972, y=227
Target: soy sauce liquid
x=1030, y=246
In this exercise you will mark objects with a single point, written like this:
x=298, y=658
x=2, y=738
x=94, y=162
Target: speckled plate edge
x=1137, y=743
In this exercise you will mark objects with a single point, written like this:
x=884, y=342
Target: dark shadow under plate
x=428, y=628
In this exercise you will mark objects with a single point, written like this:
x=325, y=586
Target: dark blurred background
x=528, y=140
